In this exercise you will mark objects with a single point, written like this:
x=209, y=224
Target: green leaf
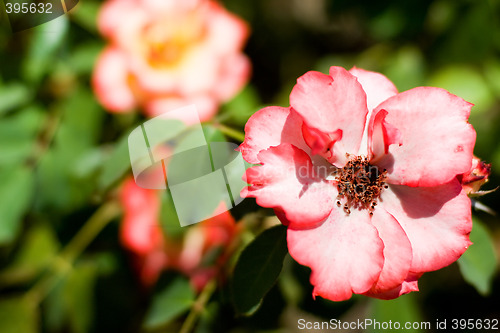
x=53, y=187
x=240, y=108
x=208, y=319
x=15, y=195
x=78, y=296
x=88, y=164
x=18, y=315
x=55, y=311
x=170, y=303
x=44, y=44
x=18, y=133
x=22, y=124
x=12, y=96
x=84, y=56
x=77, y=133
x=257, y=269
x=86, y=15
x=81, y=122
x=70, y=304
x=402, y=310
x=40, y=246
x=290, y=287
x=479, y=263
x=116, y=164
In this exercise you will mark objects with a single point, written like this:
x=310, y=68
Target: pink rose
x=365, y=178
x=165, y=54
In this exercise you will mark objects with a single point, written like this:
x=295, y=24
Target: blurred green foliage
x=169, y=303
x=62, y=156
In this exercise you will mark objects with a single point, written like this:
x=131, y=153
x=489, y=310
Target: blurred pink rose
x=200, y=253
x=165, y=54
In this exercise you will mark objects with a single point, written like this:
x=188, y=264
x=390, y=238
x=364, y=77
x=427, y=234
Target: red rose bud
x=473, y=179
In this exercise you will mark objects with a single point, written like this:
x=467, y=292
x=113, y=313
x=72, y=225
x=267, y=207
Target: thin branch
x=63, y=262
x=230, y=132
x=198, y=307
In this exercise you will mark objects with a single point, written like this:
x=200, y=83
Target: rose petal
x=150, y=266
x=409, y=284
x=332, y=102
x=192, y=250
x=220, y=229
x=199, y=71
x=226, y=32
x=111, y=81
x=123, y=33
x=381, y=135
x=205, y=106
x=377, y=87
x=322, y=143
x=288, y=182
x=344, y=253
x=437, y=221
x=169, y=6
x=233, y=75
x=140, y=231
x=437, y=139
x=397, y=252
x=270, y=127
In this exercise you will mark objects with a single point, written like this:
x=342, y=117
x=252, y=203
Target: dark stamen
x=361, y=184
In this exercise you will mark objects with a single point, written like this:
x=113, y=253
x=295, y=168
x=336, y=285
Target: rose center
x=168, y=42
x=360, y=184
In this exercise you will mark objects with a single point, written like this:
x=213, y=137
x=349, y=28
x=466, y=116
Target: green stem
x=56, y=271
x=198, y=307
x=63, y=262
x=230, y=132
x=90, y=230
x=45, y=137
